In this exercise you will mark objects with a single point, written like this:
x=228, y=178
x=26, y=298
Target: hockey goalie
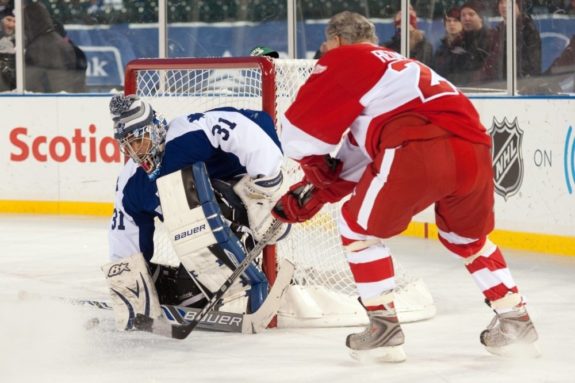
x=169, y=175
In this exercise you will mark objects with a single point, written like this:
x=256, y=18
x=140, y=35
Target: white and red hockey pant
x=454, y=175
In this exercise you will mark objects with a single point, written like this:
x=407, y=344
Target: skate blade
x=517, y=350
x=393, y=354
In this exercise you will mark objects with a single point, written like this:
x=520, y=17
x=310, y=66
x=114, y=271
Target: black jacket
x=472, y=63
x=528, y=49
x=446, y=56
x=51, y=61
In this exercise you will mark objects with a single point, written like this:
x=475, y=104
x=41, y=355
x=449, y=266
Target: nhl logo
x=507, y=157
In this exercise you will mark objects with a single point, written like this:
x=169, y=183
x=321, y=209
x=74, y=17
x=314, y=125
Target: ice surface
x=45, y=340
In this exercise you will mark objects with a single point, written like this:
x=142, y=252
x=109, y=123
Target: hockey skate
x=381, y=341
x=511, y=334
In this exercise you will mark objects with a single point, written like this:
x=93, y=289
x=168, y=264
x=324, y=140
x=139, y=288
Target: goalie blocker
x=204, y=243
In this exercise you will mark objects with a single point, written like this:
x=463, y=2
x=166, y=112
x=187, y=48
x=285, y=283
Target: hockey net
x=322, y=292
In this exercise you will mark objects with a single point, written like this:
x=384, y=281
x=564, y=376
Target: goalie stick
x=215, y=320
x=162, y=327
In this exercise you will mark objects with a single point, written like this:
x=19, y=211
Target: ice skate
x=511, y=334
x=381, y=341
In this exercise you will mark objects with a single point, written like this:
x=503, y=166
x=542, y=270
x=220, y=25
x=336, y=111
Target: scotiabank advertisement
x=57, y=149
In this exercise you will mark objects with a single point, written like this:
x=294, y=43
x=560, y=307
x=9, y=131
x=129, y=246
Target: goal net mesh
x=322, y=291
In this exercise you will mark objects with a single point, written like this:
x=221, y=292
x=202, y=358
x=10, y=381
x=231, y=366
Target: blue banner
x=110, y=48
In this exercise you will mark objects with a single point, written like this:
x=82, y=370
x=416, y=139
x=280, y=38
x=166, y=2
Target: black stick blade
x=182, y=332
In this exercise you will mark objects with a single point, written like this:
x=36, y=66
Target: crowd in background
x=471, y=53
x=146, y=11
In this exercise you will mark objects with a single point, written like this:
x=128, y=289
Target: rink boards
x=58, y=157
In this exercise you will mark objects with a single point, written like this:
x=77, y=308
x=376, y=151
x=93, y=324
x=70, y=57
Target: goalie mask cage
x=322, y=292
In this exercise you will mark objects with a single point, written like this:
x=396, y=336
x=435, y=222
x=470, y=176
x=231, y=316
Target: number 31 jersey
x=231, y=142
x=363, y=87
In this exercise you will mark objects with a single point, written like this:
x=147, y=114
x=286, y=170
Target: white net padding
x=322, y=292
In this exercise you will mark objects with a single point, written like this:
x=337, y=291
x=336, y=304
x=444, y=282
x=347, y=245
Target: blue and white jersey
x=230, y=141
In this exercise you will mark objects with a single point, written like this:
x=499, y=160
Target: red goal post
x=268, y=102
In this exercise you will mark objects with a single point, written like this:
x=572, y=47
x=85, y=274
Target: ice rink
x=45, y=340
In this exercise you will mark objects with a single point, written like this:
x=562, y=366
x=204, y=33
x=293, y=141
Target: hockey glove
x=299, y=204
x=259, y=196
x=321, y=171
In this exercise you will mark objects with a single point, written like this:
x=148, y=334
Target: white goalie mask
x=140, y=132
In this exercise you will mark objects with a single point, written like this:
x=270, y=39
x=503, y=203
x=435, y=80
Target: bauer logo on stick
x=118, y=269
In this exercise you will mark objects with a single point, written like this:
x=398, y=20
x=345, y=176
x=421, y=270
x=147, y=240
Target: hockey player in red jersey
x=406, y=139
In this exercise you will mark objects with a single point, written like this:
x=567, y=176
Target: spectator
x=51, y=61
x=450, y=45
x=528, y=44
x=566, y=61
x=7, y=22
x=472, y=64
x=571, y=9
x=7, y=50
x=563, y=71
x=81, y=60
x=419, y=48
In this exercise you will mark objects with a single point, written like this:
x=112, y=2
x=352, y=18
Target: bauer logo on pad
x=190, y=232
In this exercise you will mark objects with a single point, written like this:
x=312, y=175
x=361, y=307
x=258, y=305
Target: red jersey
x=364, y=86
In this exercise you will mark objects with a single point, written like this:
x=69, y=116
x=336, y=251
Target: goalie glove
x=321, y=171
x=259, y=195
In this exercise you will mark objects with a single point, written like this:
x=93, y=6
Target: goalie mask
x=140, y=132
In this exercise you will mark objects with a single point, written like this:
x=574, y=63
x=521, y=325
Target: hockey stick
x=233, y=322
x=215, y=320
x=160, y=327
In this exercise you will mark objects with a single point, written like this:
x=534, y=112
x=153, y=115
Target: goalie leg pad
x=200, y=230
x=132, y=290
